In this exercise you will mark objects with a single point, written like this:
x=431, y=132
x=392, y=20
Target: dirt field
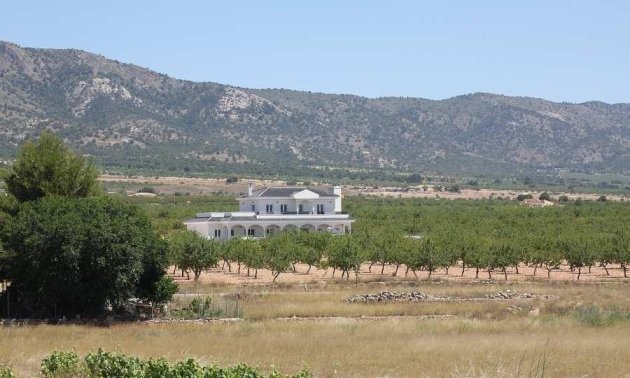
x=220, y=276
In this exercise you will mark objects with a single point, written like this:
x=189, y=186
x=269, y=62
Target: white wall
x=292, y=205
x=200, y=227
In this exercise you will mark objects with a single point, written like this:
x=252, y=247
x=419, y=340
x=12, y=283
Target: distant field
x=583, y=331
x=207, y=186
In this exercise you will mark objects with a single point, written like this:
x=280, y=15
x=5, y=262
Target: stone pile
x=414, y=296
x=392, y=296
x=509, y=294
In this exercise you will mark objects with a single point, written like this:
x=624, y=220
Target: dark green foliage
x=73, y=256
x=146, y=189
x=162, y=291
x=48, y=167
x=544, y=196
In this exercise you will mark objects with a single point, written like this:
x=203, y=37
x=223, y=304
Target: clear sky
x=559, y=50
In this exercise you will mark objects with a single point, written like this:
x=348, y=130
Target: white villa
x=273, y=209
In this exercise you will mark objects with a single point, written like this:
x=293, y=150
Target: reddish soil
x=224, y=277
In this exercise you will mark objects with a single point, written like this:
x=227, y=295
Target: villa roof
x=285, y=192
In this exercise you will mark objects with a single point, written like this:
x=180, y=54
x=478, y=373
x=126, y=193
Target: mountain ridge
x=135, y=118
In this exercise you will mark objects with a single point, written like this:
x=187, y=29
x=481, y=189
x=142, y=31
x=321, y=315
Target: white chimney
x=250, y=188
x=337, y=192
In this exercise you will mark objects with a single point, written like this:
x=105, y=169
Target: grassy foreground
x=582, y=331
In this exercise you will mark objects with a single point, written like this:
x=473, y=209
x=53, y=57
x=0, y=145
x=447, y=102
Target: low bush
x=60, y=364
x=101, y=364
x=5, y=372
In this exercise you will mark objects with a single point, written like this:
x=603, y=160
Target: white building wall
x=260, y=205
x=200, y=227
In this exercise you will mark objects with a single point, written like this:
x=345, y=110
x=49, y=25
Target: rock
x=415, y=297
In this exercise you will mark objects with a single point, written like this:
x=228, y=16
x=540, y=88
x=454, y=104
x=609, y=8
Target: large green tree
x=68, y=250
x=68, y=256
x=48, y=167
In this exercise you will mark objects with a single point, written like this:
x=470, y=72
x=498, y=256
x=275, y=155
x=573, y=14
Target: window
x=269, y=209
x=283, y=208
x=253, y=207
x=217, y=233
x=232, y=233
x=320, y=209
x=300, y=209
x=251, y=232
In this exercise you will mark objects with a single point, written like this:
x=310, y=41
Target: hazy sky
x=559, y=50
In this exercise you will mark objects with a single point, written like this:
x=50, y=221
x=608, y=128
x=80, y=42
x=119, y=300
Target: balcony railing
x=294, y=213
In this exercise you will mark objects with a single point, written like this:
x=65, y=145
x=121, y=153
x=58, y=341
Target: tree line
x=279, y=253
x=486, y=236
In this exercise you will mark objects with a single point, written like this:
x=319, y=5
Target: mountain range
x=133, y=119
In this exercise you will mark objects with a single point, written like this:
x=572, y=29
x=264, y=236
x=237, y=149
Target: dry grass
x=345, y=347
x=480, y=340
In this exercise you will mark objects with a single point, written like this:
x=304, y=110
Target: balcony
x=301, y=215
x=296, y=213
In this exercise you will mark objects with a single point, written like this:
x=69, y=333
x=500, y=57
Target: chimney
x=250, y=188
x=337, y=191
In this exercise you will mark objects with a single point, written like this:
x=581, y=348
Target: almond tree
x=576, y=253
x=279, y=252
x=621, y=247
x=253, y=256
x=313, y=247
x=194, y=252
x=346, y=254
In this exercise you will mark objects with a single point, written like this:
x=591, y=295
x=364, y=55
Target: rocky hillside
x=130, y=117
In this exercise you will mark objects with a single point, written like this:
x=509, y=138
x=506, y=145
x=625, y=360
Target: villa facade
x=273, y=209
